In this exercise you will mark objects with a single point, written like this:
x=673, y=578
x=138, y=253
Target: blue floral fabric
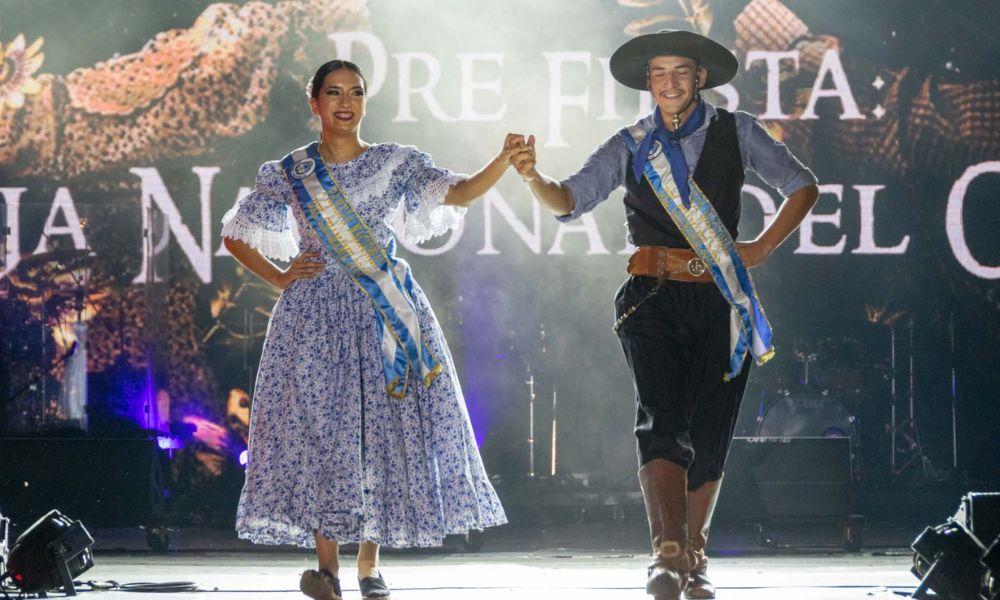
x=330, y=451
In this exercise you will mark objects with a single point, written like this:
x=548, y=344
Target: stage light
x=946, y=559
x=169, y=442
x=992, y=562
x=53, y=551
x=244, y=456
x=950, y=559
x=4, y=543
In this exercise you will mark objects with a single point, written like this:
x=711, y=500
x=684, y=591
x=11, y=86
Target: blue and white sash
x=376, y=270
x=710, y=240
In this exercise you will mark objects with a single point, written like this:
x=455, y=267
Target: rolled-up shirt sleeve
x=771, y=159
x=602, y=173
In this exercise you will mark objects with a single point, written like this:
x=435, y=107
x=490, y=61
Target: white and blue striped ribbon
x=711, y=241
x=376, y=270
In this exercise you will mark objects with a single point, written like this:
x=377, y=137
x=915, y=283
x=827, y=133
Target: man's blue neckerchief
x=671, y=144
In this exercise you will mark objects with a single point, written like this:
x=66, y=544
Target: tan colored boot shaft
x=664, y=491
x=701, y=506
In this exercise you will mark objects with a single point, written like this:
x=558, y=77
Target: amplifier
x=787, y=479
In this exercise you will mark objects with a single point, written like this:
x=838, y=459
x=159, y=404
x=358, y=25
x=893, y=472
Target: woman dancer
x=359, y=430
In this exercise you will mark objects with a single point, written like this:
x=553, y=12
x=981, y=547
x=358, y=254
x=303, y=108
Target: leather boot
x=701, y=505
x=664, y=491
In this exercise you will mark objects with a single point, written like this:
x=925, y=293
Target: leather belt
x=677, y=264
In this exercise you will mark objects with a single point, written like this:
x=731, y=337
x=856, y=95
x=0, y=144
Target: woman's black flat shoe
x=373, y=587
x=320, y=585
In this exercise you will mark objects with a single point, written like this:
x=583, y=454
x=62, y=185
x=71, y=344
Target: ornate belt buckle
x=696, y=267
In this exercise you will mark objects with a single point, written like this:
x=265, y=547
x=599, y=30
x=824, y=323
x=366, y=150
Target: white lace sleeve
x=424, y=190
x=262, y=219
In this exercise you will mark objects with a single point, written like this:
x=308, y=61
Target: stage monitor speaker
x=980, y=513
x=787, y=479
x=103, y=481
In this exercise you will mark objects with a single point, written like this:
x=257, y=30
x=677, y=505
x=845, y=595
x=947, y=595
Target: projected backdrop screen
x=127, y=129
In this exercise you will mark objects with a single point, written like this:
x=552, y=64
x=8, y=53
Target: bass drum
x=807, y=413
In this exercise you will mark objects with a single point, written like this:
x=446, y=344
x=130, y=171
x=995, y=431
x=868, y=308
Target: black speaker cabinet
x=101, y=481
x=980, y=513
x=787, y=479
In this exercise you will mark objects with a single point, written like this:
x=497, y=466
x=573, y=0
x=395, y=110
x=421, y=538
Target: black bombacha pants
x=676, y=344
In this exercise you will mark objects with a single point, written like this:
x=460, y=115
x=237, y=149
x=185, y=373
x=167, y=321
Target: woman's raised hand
x=512, y=141
x=522, y=156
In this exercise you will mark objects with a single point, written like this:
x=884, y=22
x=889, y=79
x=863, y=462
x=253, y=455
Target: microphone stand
x=48, y=370
x=908, y=430
x=954, y=392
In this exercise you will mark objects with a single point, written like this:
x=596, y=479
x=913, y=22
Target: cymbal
x=65, y=259
x=41, y=271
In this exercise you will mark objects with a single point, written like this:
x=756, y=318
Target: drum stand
x=904, y=437
x=954, y=392
x=532, y=397
x=531, y=425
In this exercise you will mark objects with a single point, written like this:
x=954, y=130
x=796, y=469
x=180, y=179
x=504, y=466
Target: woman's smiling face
x=341, y=101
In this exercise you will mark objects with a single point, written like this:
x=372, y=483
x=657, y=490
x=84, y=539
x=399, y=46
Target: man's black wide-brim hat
x=628, y=63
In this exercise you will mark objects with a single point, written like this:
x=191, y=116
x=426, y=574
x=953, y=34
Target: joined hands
x=521, y=154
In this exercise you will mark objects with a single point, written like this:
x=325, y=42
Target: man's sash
x=710, y=240
x=375, y=269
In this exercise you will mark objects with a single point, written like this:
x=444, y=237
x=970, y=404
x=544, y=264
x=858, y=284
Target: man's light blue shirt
x=605, y=169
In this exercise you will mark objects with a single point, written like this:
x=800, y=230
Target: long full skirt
x=331, y=452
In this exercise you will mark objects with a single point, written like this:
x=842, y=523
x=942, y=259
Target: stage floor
x=506, y=575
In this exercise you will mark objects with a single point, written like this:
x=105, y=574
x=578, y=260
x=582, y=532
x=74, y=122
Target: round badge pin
x=304, y=168
x=655, y=150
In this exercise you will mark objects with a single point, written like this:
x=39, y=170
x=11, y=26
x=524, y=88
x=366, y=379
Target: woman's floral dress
x=330, y=451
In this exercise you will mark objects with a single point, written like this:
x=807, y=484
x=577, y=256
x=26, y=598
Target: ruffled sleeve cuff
x=277, y=245
x=432, y=217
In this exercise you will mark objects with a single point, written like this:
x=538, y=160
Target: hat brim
x=629, y=62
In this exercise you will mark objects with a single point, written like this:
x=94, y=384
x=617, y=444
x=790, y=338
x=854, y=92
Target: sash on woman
x=375, y=269
x=711, y=241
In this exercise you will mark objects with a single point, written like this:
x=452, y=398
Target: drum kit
x=838, y=387
x=42, y=304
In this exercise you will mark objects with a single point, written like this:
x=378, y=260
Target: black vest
x=719, y=174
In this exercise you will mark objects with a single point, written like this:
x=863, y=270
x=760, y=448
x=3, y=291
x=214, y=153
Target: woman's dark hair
x=329, y=67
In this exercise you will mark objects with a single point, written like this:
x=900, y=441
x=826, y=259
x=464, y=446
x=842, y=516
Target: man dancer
x=688, y=317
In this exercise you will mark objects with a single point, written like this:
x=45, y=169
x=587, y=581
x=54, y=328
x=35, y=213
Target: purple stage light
x=167, y=442
x=244, y=456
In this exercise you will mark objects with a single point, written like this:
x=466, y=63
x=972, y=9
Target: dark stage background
x=111, y=110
